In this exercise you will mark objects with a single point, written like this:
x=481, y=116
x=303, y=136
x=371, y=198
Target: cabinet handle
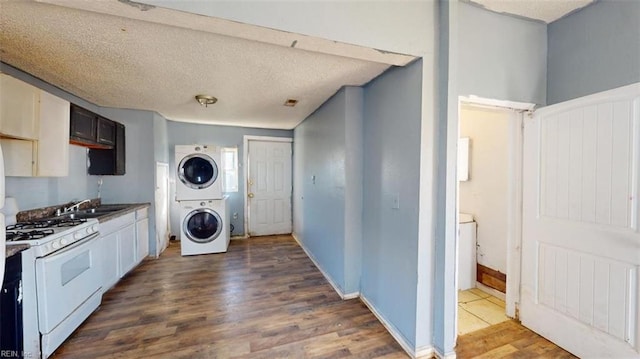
x=20, y=292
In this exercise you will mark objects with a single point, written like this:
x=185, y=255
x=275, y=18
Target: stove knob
x=94, y=228
x=77, y=235
x=55, y=245
x=64, y=241
x=88, y=230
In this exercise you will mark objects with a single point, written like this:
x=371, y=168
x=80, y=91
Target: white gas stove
x=49, y=235
x=61, y=279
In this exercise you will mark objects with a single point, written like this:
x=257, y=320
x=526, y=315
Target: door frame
x=160, y=247
x=514, y=221
x=245, y=171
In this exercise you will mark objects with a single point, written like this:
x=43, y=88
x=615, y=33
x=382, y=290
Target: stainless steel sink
x=101, y=210
x=80, y=215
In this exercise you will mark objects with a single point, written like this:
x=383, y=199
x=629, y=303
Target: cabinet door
x=110, y=261
x=120, y=150
x=53, y=140
x=19, y=108
x=18, y=157
x=83, y=124
x=112, y=161
x=126, y=249
x=106, y=131
x=142, y=238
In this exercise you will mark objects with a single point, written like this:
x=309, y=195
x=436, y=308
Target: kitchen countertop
x=129, y=207
x=13, y=250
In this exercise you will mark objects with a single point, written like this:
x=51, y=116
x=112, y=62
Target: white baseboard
x=489, y=290
x=439, y=355
x=424, y=352
x=241, y=236
x=344, y=296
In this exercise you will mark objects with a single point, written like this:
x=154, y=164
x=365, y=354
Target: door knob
x=250, y=195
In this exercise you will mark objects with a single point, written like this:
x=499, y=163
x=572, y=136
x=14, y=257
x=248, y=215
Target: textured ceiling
x=127, y=55
x=544, y=10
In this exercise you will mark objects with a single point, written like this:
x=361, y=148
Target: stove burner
x=51, y=223
x=13, y=236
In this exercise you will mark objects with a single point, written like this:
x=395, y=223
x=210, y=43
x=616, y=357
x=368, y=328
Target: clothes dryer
x=198, y=172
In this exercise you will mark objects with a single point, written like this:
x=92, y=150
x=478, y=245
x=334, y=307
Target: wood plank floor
x=264, y=298
x=507, y=340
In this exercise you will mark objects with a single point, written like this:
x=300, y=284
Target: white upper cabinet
x=34, y=126
x=19, y=108
x=53, y=139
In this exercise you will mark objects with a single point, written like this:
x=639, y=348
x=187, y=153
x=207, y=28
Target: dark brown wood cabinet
x=104, y=138
x=110, y=161
x=106, y=131
x=83, y=125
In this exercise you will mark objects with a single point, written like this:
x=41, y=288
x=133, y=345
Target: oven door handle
x=75, y=245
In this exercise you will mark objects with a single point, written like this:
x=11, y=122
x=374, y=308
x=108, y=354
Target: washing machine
x=198, y=172
x=204, y=226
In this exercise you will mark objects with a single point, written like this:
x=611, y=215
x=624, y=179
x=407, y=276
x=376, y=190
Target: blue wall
x=593, y=50
x=489, y=55
x=392, y=120
x=138, y=183
x=499, y=56
x=180, y=133
x=328, y=211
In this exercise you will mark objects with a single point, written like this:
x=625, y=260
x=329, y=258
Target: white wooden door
x=581, y=242
x=269, y=187
x=162, y=207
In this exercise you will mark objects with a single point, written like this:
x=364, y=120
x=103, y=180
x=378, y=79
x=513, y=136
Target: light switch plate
x=396, y=201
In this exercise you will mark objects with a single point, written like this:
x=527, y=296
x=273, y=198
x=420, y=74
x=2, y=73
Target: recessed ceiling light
x=206, y=100
x=290, y=102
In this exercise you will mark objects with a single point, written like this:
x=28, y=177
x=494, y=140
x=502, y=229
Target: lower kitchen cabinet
x=11, y=308
x=126, y=250
x=142, y=234
x=118, y=240
x=125, y=243
x=110, y=260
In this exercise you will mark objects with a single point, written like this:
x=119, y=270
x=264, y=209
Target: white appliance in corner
x=3, y=247
x=466, y=251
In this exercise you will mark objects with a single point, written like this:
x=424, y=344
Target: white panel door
x=269, y=187
x=581, y=242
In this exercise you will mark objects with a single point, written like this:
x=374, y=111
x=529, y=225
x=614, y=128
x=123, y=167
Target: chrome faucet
x=73, y=207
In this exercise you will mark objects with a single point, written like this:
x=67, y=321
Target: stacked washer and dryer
x=204, y=212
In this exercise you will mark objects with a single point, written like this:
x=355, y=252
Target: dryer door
x=197, y=171
x=202, y=225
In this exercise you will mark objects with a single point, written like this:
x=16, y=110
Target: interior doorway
x=489, y=211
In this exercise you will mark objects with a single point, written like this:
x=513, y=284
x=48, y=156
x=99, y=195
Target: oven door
x=65, y=279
